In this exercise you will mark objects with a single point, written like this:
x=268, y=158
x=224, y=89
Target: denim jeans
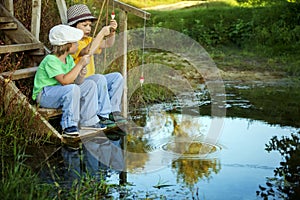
x=110, y=91
x=78, y=103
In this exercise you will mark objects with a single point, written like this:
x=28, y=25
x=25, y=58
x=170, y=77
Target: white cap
x=63, y=34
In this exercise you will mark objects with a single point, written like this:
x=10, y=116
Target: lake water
x=168, y=155
x=234, y=170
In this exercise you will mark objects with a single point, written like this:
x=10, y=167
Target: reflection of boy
x=110, y=86
x=59, y=83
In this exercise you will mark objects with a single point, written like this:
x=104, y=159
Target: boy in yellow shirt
x=110, y=86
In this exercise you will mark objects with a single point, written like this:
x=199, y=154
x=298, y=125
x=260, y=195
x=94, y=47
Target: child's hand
x=105, y=30
x=85, y=60
x=113, y=24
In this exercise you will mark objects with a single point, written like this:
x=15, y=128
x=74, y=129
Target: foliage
x=237, y=25
x=267, y=2
x=286, y=183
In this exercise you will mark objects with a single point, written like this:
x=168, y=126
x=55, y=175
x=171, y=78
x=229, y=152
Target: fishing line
x=142, y=78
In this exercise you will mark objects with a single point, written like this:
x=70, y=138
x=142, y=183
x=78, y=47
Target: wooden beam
x=9, y=5
x=123, y=29
x=36, y=18
x=20, y=47
x=130, y=9
x=62, y=7
x=8, y=26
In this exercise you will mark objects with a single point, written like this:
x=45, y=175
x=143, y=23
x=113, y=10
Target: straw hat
x=63, y=34
x=79, y=12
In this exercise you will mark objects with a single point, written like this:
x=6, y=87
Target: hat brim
x=74, y=21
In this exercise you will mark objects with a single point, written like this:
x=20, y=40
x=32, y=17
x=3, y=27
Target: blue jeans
x=110, y=91
x=78, y=103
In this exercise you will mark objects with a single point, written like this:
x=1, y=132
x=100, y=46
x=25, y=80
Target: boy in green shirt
x=60, y=83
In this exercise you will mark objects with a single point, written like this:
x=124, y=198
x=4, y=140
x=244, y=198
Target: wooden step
x=28, y=73
x=6, y=19
x=20, y=35
x=20, y=47
x=8, y=23
x=20, y=73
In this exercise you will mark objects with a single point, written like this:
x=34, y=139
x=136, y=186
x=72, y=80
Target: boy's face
x=85, y=26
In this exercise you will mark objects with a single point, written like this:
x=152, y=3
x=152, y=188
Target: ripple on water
x=190, y=149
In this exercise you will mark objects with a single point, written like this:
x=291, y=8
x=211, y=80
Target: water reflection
x=191, y=171
x=96, y=157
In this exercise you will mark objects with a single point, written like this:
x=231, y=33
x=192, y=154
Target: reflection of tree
x=136, y=156
x=286, y=181
x=192, y=170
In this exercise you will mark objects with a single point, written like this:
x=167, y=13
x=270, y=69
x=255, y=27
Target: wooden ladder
x=20, y=38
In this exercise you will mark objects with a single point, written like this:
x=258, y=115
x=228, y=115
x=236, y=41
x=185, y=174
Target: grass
x=149, y=3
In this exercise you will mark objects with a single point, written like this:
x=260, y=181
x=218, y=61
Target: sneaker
x=71, y=131
x=97, y=127
x=117, y=117
x=107, y=122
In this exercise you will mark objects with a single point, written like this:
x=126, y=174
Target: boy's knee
x=101, y=79
x=91, y=84
x=119, y=76
x=72, y=90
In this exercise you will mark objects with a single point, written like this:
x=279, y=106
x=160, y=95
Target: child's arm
x=110, y=39
x=105, y=31
x=71, y=76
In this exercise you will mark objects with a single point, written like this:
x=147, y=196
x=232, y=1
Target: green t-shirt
x=50, y=67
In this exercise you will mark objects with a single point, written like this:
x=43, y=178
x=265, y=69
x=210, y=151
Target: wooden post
x=123, y=29
x=9, y=5
x=62, y=7
x=36, y=18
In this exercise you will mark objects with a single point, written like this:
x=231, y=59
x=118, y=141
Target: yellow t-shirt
x=84, y=42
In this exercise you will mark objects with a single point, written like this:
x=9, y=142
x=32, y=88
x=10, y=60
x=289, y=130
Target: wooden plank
x=36, y=18
x=20, y=47
x=6, y=19
x=14, y=98
x=49, y=112
x=20, y=74
x=9, y=26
